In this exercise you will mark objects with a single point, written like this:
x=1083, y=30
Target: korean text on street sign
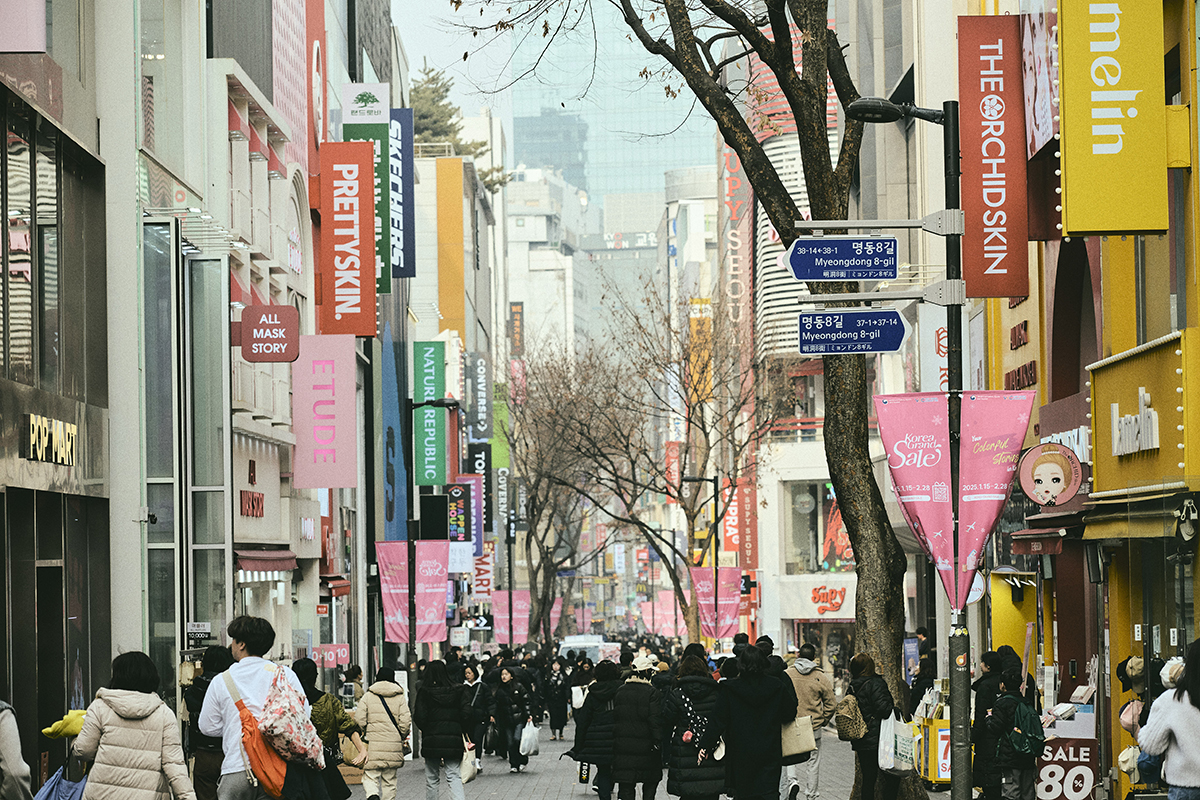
x=840, y=258
x=859, y=331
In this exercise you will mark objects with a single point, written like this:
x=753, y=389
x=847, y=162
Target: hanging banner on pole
x=995, y=243
x=726, y=602
x=432, y=576
x=993, y=430
x=500, y=615
x=521, y=608
x=916, y=440
x=392, y=558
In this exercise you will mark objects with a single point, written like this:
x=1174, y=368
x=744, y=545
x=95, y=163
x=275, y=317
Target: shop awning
x=335, y=585
x=1038, y=541
x=265, y=560
x=1129, y=528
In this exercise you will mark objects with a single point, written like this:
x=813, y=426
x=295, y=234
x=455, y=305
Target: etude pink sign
x=993, y=429
x=916, y=439
x=323, y=414
x=432, y=576
x=392, y=558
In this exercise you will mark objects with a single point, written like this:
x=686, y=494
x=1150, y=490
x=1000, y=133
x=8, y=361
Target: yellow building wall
x=452, y=297
x=1008, y=618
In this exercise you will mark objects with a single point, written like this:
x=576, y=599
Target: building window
x=815, y=537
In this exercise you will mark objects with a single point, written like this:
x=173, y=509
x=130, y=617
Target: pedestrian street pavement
x=549, y=778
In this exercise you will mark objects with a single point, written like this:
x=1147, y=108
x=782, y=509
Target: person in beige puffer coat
x=385, y=744
x=133, y=737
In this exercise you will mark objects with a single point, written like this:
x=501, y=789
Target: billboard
x=347, y=297
x=995, y=244
x=401, y=211
x=324, y=413
x=1113, y=118
x=365, y=118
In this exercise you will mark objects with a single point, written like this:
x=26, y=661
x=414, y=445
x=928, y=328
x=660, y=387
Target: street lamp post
x=713, y=537
x=410, y=407
x=875, y=109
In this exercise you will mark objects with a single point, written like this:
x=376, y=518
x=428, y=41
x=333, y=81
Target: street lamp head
x=874, y=109
x=441, y=402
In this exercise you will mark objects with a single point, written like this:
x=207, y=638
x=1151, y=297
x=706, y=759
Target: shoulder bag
x=265, y=768
x=403, y=739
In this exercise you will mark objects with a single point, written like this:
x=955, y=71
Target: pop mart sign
x=429, y=423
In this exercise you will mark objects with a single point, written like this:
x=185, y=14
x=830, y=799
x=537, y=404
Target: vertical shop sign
x=324, y=413
x=395, y=474
x=460, y=515
x=401, y=209
x=995, y=244
x=479, y=462
x=993, y=429
x=672, y=470
x=432, y=577
x=392, y=559
x=366, y=118
x=1114, y=125
x=731, y=522
x=479, y=389
x=516, y=329
x=748, y=523
x=429, y=423
x=483, y=581
x=347, y=222
x=476, y=482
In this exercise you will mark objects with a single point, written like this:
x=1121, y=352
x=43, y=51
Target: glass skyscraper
x=587, y=110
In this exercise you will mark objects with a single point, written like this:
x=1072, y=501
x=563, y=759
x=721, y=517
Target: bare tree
x=697, y=40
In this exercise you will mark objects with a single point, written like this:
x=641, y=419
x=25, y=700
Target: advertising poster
x=366, y=117
x=995, y=244
x=993, y=429
x=395, y=474
x=324, y=413
x=432, y=577
x=724, y=605
x=402, y=226
x=347, y=260
x=392, y=558
x=429, y=423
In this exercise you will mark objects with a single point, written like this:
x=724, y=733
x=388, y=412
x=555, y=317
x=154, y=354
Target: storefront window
x=160, y=605
x=835, y=552
x=209, y=571
x=208, y=517
x=47, y=256
x=800, y=527
x=160, y=499
x=158, y=260
x=19, y=245
x=162, y=94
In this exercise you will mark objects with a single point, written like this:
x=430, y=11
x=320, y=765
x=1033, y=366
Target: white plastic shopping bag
x=896, y=745
x=529, y=739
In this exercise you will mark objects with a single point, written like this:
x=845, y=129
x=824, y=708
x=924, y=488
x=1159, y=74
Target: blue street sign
x=826, y=333
x=844, y=258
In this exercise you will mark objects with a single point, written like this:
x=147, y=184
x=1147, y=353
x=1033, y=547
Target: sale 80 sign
x=1067, y=769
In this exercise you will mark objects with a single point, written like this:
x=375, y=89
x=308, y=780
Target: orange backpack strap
x=264, y=767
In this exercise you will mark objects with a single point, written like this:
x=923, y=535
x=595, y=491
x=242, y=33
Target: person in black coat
x=207, y=750
x=1009, y=660
x=987, y=689
x=511, y=714
x=750, y=713
x=595, y=726
x=687, y=708
x=1018, y=771
x=558, y=697
x=638, y=735
x=922, y=683
x=876, y=703
x=442, y=712
x=483, y=708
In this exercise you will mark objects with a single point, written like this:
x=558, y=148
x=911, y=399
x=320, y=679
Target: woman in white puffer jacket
x=133, y=737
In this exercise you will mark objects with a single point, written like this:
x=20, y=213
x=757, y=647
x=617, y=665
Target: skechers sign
x=429, y=423
x=1114, y=140
x=347, y=303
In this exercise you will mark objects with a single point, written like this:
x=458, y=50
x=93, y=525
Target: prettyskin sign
x=347, y=239
x=1113, y=117
x=429, y=423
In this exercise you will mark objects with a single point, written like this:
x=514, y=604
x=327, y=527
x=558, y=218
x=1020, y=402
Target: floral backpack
x=286, y=725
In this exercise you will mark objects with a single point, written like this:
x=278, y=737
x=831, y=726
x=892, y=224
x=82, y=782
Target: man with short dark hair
x=814, y=698
x=250, y=639
x=923, y=641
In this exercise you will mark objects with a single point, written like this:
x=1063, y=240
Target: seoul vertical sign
x=1114, y=129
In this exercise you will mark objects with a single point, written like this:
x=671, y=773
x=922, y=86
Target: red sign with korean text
x=672, y=468
x=995, y=245
x=347, y=265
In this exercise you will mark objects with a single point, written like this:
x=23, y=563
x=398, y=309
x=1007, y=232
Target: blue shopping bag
x=59, y=788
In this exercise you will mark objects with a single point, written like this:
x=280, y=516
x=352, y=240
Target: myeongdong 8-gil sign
x=1113, y=117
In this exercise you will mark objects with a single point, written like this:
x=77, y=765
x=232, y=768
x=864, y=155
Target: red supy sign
x=995, y=245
